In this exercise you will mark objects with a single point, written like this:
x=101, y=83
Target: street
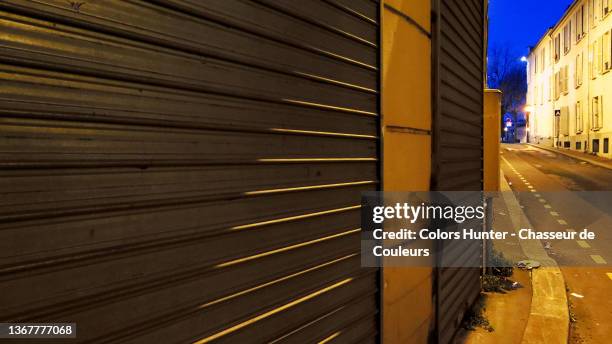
x=541, y=177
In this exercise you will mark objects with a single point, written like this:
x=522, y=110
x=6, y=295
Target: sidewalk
x=545, y=317
x=591, y=159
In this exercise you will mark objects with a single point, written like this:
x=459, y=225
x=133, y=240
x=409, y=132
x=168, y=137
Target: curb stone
x=549, y=314
x=585, y=159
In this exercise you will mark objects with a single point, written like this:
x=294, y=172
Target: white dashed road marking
x=562, y=222
x=598, y=259
x=547, y=206
x=554, y=213
x=583, y=244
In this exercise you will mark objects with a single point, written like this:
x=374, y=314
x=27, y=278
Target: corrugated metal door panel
x=102, y=55
x=162, y=27
x=458, y=128
x=46, y=94
x=458, y=149
x=190, y=170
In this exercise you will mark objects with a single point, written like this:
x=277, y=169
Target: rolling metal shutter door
x=458, y=151
x=175, y=171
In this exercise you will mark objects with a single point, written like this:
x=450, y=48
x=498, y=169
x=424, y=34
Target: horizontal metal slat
x=38, y=94
x=47, y=190
x=182, y=31
x=285, y=321
x=457, y=19
x=100, y=231
x=252, y=17
x=323, y=14
x=92, y=278
x=23, y=142
x=330, y=295
x=331, y=322
x=136, y=309
x=109, y=57
x=364, y=9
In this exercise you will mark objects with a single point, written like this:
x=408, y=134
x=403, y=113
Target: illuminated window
x=580, y=25
x=579, y=69
x=597, y=112
x=606, y=52
x=579, y=120
x=567, y=37
x=557, y=47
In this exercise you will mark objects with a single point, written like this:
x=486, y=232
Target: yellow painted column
x=492, y=137
x=407, y=116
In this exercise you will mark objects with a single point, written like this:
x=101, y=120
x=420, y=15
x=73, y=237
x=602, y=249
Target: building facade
x=568, y=75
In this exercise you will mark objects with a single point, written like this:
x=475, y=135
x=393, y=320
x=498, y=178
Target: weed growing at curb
x=498, y=270
x=475, y=316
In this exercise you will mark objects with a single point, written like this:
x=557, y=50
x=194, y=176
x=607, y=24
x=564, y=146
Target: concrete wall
x=542, y=67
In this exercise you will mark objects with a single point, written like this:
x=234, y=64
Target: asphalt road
x=544, y=180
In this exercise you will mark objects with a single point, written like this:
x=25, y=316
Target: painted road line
x=538, y=195
x=529, y=187
x=598, y=259
x=542, y=200
x=561, y=222
x=533, y=190
x=609, y=275
x=547, y=206
x=583, y=244
x=554, y=213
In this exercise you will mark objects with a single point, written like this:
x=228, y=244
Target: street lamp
x=524, y=59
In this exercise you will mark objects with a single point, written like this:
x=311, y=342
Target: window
x=606, y=52
x=564, y=121
x=580, y=25
x=579, y=120
x=564, y=76
x=600, y=55
x=597, y=113
x=557, y=85
x=551, y=87
x=593, y=63
x=578, y=145
x=579, y=69
x=592, y=12
x=596, y=146
x=557, y=47
x=567, y=37
x=606, y=147
x=551, y=56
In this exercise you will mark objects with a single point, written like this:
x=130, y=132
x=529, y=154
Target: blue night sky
x=521, y=23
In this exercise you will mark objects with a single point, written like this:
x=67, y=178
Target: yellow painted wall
x=492, y=120
x=407, y=116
